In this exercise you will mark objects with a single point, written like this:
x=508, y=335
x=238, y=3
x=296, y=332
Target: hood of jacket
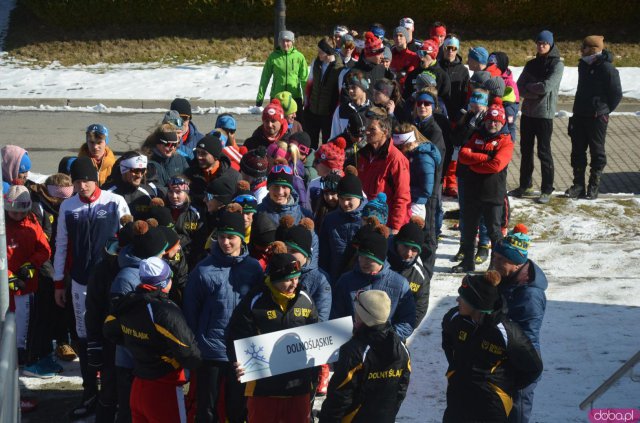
x=509, y=95
x=127, y=259
x=427, y=148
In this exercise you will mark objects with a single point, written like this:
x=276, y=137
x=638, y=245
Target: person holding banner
x=371, y=377
x=280, y=303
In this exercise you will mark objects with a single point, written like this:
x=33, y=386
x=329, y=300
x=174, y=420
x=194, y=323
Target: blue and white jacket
x=83, y=229
x=214, y=289
x=403, y=306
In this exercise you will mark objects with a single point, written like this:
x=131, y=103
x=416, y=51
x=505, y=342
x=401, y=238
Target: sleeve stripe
x=169, y=335
x=350, y=375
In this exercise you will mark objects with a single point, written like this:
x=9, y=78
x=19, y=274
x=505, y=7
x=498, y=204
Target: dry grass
x=199, y=50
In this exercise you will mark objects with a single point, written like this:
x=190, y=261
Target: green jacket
x=289, y=70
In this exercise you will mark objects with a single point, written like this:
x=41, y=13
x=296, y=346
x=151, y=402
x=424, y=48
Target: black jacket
x=418, y=276
x=323, y=96
x=459, y=78
x=258, y=313
x=370, y=378
x=599, y=91
x=98, y=301
x=443, y=83
x=198, y=185
x=154, y=330
x=488, y=362
x=138, y=198
x=371, y=72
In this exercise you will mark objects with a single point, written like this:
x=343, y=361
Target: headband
x=400, y=139
x=136, y=162
x=59, y=191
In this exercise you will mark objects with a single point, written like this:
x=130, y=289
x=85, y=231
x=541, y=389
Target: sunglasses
x=185, y=117
x=423, y=103
x=138, y=170
x=177, y=122
x=282, y=169
x=450, y=48
x=422, y=53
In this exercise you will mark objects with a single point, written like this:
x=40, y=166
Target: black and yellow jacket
x=370, y=378
x=154, y=330
x=488, y=362
x=260, y=313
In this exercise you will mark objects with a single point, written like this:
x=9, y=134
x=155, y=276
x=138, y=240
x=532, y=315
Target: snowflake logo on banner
x=256, y=361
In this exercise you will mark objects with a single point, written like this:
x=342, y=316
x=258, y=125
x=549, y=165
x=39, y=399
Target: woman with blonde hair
x=161, y=149
x=291, y=153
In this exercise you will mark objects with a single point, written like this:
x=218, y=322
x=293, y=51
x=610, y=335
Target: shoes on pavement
x=65, y=352
x=521, y=192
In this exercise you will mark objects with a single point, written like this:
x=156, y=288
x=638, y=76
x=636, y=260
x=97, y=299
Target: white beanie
x=17, y=199
x=373, y=307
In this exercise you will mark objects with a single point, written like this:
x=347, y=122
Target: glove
x=94, y=354
x=259, y=103
x=26, y=272
x=16, y=284
x=491, y=154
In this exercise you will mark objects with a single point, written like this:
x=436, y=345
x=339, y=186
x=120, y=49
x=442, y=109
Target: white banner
x=292, y=349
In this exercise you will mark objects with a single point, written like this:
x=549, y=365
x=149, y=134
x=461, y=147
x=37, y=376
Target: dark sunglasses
x=282, y=168
x=185, y=117
x=423, y=103
x=138, y=170
x=451, y=48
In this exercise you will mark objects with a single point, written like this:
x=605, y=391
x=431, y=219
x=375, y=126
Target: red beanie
x=372, y=44
x=496, y=111
x=273, y=111
x=431, y=48
x=331, y=154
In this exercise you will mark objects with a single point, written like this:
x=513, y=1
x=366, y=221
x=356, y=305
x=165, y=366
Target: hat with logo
x=96, y=128
x=83, y=169
x=231, y=223
x=182, y=106
x=212, y=144
x=479, y=54
x=515, y=246
x=255, y=163
x=331, y=154
x=282, y=267
x=155, y=271
x=496, y=112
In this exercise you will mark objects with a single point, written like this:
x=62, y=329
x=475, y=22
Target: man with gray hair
x=289, y=70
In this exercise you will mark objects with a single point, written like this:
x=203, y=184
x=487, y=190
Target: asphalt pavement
x=49, y=136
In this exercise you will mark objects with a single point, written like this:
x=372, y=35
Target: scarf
x=279, y=297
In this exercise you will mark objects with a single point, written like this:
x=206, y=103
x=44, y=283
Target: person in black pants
x=539, y=84
x=599, y=93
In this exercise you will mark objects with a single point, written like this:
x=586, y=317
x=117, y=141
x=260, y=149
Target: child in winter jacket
x=27, y=250
x=372, y=373
x=278, y=303
x=404, y=257
x=340, y=226
x=424, y=158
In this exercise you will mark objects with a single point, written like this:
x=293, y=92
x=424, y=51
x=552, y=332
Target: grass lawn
x=40, y=44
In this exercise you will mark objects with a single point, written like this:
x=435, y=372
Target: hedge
x=493, y=15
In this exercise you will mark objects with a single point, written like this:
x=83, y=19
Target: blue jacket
x=161, y=169
x=316, y=282
x=186, y=148
x=403, y=306
x=214, y=289
x=526, y=299
x=338, y=230
x=423, y=162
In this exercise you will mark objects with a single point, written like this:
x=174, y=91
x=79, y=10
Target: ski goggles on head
x=169, y=143
x=289, y=268
x=282, y=169
x=178, y=184
x=304, y=149
x=248, y=202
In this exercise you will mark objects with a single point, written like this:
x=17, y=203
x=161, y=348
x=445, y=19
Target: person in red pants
x=154, y=330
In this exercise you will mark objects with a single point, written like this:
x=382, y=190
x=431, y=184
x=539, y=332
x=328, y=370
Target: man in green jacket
x=289, y=69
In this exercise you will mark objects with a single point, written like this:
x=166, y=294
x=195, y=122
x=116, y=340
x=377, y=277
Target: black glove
x=491, y=154
x=16, y=284
x=94, y=354
x=26, y=272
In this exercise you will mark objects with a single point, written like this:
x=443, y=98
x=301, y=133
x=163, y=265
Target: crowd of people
x=149, y=265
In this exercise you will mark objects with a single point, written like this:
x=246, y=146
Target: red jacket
x=387, y=170
x=26, y=243
x=403, y=62
x=470, y=154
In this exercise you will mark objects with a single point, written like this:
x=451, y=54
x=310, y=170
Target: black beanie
x=372, y=244
x=222, y=189
x=170, y=235
x=82, y=169
x=350, y=186
x=148, y=241
x=302, y=138
x=182, y=106
x=65, y=164
x=280, y=178
x=481, y=291
x=411, y=235
x=263, y=230
x=231, y=223
x=283, y=266
x=162, y=215
x=125, y=234
x=211, y=144
x=299, y=238
x=325, y=47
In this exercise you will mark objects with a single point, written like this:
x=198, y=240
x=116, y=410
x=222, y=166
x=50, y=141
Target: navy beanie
x=545, y=36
